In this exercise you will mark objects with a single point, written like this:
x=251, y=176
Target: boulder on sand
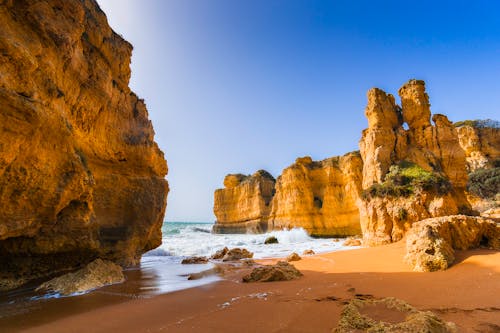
x=431, y=243
x=293, y=257
x=97, y=274
x=282, y=271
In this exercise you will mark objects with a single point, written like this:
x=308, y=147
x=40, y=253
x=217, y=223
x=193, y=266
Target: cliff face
x=409, y=168
x=80, y=174
x=317, y=196
x=243, y=205
x=433, y=151
x=481, y=146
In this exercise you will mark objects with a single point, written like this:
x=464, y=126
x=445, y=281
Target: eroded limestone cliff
x=432, y=152
x=243, y=205
x=80, y=174
x=317, y=196
x=411, y=166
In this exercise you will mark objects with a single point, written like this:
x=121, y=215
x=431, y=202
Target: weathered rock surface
x=434, y=148
x=389, y=315
x=243, y=205
x=350, y=195
x=308, y=252
x=220, y=253
x=293, y=257
x=97, y=274
x=481, y=145
x=194, y=260
x=317, y=196
x=80, y=174
x=271, y=240
x=352, y=242
x=430, y=243
x=282, y=271
x=237, y=254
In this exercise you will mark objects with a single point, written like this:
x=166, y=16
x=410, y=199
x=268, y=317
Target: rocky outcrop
x=243, y=205
x=481, y=144
x=431, y=243
x=317, y=196
x=194, y=260
x=412, y=166
x=282, y=271
x=432, y=175
x=389, y=315
x=80, y=174
x=97, y=274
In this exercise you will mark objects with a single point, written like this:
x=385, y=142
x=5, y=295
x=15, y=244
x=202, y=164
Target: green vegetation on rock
x=405, y=179
x=479, y=123
x=485, y=183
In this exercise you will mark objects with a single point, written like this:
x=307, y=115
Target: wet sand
x=466, y=294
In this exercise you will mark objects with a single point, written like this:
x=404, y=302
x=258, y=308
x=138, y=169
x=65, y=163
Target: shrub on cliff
x=478, y=123
x=405, y=179
x=484, y=183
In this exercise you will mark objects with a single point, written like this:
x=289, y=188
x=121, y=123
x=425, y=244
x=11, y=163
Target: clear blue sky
x=236, y=86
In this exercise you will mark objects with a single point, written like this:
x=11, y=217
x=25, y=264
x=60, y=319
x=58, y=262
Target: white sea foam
x=163, y=268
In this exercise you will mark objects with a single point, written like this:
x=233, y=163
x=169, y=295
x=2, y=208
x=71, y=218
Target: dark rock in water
x=201, y=230
x=220, y=254
x=293, y=257
x=237, y=254
x=194, y=260
x=97, y=274
x=282, y=271
x=389, y=315
x=271, y=240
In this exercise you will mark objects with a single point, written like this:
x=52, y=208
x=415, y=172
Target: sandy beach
x=466, y=294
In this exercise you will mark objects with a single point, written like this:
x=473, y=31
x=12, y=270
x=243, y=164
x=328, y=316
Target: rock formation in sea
x=81, y=176
x=411, y=166
x=243, y=205
x=317, y=196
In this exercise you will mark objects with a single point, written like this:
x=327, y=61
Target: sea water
x=161, y=271
x=163, y=265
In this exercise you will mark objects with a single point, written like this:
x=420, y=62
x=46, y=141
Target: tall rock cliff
x=317, y=196
x=243, y=205
x=411, y=174
x=411, y=166
x=80, y=174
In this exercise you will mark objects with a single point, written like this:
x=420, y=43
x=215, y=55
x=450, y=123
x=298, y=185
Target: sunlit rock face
x=434, y=148
x=243, y=205
x=80, y=174
x=481, y=146
x=319, y=196
x=411, y=166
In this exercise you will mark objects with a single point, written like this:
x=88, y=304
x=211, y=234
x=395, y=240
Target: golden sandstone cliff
x=80, y=174
x=409, y=168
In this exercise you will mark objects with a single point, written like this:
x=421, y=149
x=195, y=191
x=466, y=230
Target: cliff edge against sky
x=81, y=176
x=408, y=169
